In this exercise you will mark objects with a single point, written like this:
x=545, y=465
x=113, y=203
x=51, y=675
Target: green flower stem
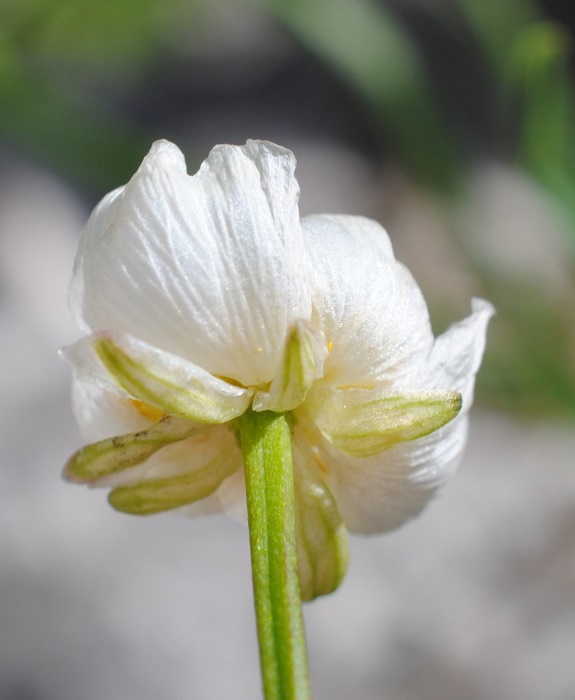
x=266, y=444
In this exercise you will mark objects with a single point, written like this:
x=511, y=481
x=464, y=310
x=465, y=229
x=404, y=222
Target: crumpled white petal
x=211, y=267
x=367, y=304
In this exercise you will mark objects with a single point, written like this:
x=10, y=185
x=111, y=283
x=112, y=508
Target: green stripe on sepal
x=107, y=457
x=170, y=383
x=157, y=495
x=364, y=422
x=321, y=535
x=302, y=363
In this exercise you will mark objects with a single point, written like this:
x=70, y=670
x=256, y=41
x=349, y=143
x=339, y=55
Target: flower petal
x=211, y=268
x=165, y=493
x=322, y=546
x=102, y=413
x=380, y=493
x=107, y=457
x=302, y=364
x=367, y=304
x=364, y=422
x=457, y=353
x=160, y=379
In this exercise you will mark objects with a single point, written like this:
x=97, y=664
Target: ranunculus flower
x=203, y=296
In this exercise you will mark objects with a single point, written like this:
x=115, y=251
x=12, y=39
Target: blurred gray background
x=451, y=122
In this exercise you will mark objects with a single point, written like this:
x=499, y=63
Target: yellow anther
x=320, y=463
x=317, y=458
x=329, y=345
x=150, y=412
x=229, y=380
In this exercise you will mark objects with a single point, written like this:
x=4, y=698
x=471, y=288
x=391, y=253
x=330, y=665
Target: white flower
x=202, y=296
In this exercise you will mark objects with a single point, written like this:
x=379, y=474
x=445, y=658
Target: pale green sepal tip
x=302, y=363
x=364, y=428
x=194, y=400
x=157, y=495
x=113, y=455
x=322, y=539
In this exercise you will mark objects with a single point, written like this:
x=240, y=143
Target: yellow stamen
x=229, y=380
x=321, y=464
x=318, y=460
x=329, y=345
x=150, y=412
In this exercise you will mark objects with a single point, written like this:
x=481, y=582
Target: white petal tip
x=257, y=151
x=164, y=153
x=270, y=147
x=482, y=306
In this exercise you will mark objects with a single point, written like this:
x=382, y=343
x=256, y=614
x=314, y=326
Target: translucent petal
x=211, y=268
x=302, y=364
x=457, y=353
x=88, y=367
x=323, y=554
x=364, y=422
x=367, y=304
x=102, y=413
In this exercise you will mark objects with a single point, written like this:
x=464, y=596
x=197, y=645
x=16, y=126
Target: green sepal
x=113, y=455
x=157, y=495
x=322, y=541
x=169, y=383
x=302, y=363
x=364, y=422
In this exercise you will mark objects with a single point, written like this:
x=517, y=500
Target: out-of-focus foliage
x=371, y=49
x=539, y=81
x=57, y=58
x=99, y=35
x=529, y=58
x=496, y=24
x=67, y=69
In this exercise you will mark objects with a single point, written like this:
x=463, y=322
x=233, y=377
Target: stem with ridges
x=266, y=444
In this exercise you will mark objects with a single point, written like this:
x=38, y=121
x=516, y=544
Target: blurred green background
x=463, y=108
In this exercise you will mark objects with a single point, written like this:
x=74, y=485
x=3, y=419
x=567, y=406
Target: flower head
x=206, y=296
